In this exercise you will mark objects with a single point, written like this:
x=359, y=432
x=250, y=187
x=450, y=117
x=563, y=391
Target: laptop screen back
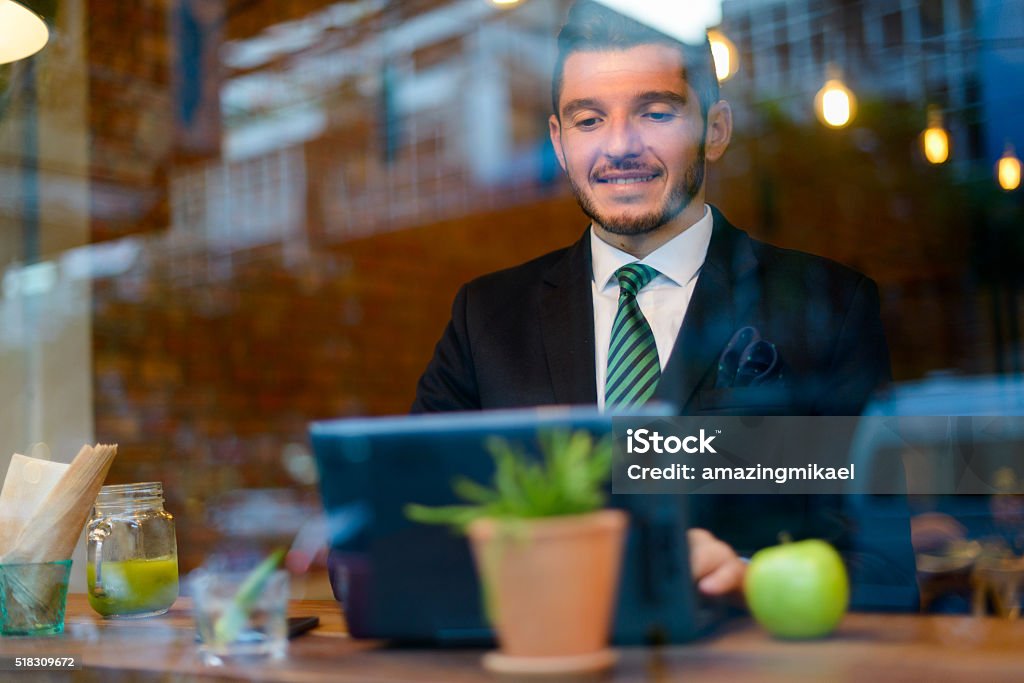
x=412, y=582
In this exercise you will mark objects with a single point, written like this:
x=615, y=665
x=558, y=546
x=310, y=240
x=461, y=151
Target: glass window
x=222, y=221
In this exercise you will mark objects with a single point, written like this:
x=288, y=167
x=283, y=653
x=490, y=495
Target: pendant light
x=22, y=32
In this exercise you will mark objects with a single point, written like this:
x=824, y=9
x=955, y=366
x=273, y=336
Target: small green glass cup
x=33, y=598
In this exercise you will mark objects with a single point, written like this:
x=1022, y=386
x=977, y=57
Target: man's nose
x=624, y=140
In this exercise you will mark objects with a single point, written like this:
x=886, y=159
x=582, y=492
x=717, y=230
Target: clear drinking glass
x=33, y=598
x=235, y=623
x=132, y=568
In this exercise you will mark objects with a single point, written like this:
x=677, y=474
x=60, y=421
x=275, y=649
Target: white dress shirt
x=663, y=301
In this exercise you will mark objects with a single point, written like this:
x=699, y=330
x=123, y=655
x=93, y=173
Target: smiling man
x=633, y=139
x=662, y=298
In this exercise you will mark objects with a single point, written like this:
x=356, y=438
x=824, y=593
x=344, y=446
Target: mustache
x=625, y=166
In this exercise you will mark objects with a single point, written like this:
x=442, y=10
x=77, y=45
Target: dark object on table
x=299, y=625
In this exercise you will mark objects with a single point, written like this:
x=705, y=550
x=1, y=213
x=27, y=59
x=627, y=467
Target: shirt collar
x=678, y=261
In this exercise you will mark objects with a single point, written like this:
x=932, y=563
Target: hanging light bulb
x=1008, y=169
x=835, y=104
x=22, y=32
x=724, y=53
x=934, y=139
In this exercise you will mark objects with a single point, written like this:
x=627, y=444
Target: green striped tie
x=633, y=367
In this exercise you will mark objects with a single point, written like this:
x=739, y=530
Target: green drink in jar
x=132, y=568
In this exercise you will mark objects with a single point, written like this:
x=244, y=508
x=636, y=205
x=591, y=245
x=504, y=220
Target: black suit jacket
x=525, y=337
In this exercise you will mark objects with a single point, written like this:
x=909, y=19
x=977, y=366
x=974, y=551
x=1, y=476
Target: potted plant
x=547, y=554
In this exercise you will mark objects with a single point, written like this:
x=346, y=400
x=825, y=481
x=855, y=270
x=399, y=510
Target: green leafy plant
x=567, y=480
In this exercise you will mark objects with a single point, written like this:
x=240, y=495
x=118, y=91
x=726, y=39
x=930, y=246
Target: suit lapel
x=567, y=325
x=726, y=293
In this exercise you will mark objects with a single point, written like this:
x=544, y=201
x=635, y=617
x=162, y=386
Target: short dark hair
x=591, y=26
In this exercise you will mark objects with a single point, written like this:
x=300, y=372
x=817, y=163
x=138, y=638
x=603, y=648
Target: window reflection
x=225, y=219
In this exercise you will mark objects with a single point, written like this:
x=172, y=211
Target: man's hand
x=715, y=566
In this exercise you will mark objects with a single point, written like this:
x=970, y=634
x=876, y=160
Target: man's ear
x=555, y=130
x=719, y=130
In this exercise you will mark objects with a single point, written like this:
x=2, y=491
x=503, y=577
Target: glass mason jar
x=132, y=561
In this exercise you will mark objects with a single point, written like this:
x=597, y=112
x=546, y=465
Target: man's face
x=630, y=137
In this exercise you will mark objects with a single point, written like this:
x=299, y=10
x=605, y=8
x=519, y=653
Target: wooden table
x=872, y=648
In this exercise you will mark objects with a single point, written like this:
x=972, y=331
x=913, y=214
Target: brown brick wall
x=130, y=116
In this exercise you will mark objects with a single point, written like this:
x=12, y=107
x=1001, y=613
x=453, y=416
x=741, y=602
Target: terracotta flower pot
x=550, y=587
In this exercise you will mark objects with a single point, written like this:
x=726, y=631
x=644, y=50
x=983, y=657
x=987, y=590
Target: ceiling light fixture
x=835, y=104
x=724, y=53
x=22, y=32
x=935, y=139
x=1008, y=169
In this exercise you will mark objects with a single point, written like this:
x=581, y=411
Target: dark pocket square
x=748, y=361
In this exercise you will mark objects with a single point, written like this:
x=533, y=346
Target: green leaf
x=566, y=479
x=458, y=516
x=472, y=492
x=230, y=623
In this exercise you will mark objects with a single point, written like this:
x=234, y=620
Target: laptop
x=416, y=584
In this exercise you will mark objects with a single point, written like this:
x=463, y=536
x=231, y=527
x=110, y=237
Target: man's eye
x=589, y=122
x=659, y=116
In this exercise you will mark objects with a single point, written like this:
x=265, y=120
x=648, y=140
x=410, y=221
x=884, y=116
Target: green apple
x=797, y=590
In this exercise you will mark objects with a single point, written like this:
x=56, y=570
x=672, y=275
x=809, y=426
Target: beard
x=679, y=198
